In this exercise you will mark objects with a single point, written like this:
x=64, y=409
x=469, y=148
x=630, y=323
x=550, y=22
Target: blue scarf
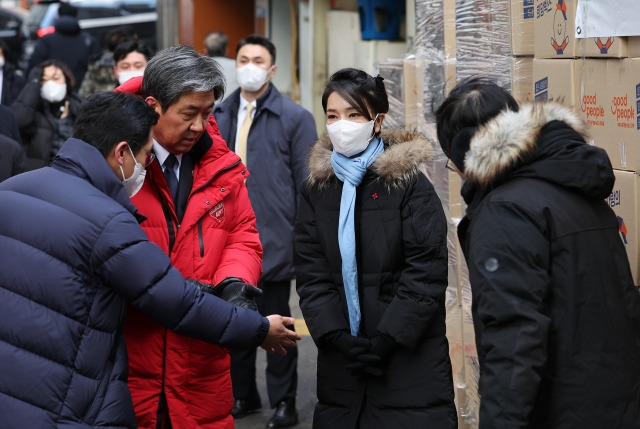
x=351, y=171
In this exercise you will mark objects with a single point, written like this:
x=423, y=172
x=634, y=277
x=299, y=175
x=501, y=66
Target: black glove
x=373, y=360
x=383, y=346
x=238, y=293
x=35, y=75
x=346, y=343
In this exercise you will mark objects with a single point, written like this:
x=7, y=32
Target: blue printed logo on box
x=528, y=9
x=543, y=96
x=638, y=126
x=528, y=13
x=638, y=90
x=541, y=85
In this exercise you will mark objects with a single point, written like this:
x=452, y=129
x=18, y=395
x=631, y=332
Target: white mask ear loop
x=374, y=128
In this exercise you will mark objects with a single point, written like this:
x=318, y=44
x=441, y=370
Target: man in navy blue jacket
x=274, y=145
x=72, y=254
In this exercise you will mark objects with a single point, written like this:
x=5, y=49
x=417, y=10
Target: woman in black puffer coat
x=46, y=110
x=383, y=357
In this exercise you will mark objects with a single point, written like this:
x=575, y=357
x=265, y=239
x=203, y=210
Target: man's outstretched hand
x=279, y=337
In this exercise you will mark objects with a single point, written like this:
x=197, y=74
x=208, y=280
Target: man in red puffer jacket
x=198, y=211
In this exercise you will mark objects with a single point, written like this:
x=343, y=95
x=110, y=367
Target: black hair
x=65, y=9
x=66, y=71
x=256, y=39
x=125, y=48
x=107, y=118
x=363, y=92
x=119, y=35
x=472, y=103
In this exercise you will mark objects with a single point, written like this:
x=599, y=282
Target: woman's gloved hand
x=373, y=360
x=345, y=343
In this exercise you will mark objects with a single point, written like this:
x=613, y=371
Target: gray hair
x=178, y=70
x=216, y=44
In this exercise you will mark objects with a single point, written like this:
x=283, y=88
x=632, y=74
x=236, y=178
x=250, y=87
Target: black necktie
x=170, y=175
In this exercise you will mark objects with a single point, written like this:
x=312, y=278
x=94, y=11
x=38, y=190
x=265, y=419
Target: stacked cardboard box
x=599, y=80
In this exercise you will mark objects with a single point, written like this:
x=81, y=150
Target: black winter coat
x=68, y=44
x=401, y=253
x=556, y=314
x=72, y=254
x=38, y=123
x=13, y=81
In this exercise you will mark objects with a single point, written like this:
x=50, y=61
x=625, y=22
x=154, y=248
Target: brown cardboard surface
x=554, y=34
x=557, y=80
x=522, y=19
x=634, y=47
x=624, y=202
x=592, y=95
x=413, y=92
x=622, y=123
x=522, y=78
x=449, y=28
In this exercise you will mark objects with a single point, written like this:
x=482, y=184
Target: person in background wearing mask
x=371, y=265
x=99, y=76
x=216, y=44
x=69, y=44
x=198, y=211
x=72, y=254
x=46, y=109
x=273, y=136
x=131, y=58
x=12, y=79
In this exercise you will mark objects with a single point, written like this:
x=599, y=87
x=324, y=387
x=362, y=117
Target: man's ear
x=154, y=104
x=115, y=72
x=274, y=70
x=115, y=157
x=119, y=150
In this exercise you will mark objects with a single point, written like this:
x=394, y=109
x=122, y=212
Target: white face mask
x=350, y=138
x=53, y=92
x=124, y=76
x=133, y=184
x=251, y=77
x=1, y=62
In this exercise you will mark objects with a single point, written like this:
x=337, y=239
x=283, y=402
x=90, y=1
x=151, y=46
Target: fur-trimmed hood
x=405, y=153
x=542, y=140
x=499, y=144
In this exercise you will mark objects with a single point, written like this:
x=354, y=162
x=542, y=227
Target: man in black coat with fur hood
x=555, y=310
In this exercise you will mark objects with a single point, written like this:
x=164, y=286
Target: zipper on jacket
x=204, y=185
x=200, y=238
x=163, y=405
x=171, y=230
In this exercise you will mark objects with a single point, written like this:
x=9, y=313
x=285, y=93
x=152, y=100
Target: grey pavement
x=306, y=398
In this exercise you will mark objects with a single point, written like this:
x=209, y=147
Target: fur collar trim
x=405, y=152
x=500, y=143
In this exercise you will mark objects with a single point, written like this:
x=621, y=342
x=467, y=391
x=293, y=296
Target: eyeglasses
x=450, y=166
x=149, y=158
